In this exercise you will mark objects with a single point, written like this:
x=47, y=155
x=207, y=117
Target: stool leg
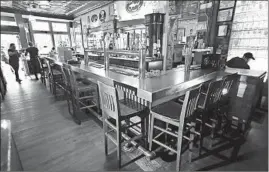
x=191, y=143
x=151, y=132
x=179, y=145
x=105, y=129
x=119, y=142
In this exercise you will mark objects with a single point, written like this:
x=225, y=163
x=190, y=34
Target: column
x=22, y=33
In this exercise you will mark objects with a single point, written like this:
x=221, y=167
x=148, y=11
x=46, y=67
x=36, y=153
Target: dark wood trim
x=23, y=12
x=10, y=29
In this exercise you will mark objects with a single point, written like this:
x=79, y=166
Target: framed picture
x=225, y=15
x=226, y=4
x=180, y=34
x=222, y=31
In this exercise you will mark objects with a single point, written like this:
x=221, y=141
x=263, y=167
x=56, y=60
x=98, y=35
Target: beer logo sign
x=133, y=6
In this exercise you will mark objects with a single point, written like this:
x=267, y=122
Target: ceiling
x=52, y=7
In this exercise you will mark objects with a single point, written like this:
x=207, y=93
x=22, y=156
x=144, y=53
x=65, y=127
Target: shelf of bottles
x=250, y=32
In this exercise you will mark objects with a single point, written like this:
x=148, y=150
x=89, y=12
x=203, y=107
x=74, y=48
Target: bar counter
x=159, y=89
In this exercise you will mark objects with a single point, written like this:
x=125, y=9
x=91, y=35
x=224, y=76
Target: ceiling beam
x=23, y=12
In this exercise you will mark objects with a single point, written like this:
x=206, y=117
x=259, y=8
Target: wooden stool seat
x=127, y=111
x=170, y=109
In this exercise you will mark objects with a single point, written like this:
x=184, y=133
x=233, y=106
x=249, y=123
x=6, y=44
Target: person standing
x=14, y=60
x=33, y=51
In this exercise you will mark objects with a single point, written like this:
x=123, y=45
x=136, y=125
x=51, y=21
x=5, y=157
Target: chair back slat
x=190, y=103
x=109, y=101
x=213, y=93
x=130, y=93
x=228, y=84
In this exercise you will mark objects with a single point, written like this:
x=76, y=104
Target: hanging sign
x=130, y=10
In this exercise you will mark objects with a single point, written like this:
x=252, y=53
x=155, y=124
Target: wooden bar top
x=157, y=89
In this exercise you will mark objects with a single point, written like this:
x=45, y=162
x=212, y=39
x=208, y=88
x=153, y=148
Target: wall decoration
x=222, y=30
x=102, y=16
x=180, y=34
x=134, y=11
x=94, y=18
x=202, y=25
x=133, y=6
x=226, y=4
x=225, y=15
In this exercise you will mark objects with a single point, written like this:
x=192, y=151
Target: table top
x=174, y=82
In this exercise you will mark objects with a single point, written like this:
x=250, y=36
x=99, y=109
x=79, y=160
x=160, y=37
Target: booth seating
x=116, y=121
x=176, y=115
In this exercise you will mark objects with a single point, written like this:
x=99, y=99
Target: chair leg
x=212, y=135
x=105, y=129
x=119, y=143
x=179, y=145
x=191, y=145
x=151, y=132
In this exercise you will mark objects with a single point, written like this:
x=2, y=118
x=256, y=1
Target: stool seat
x=83, y=87
x=56, y=72
x=170, y=109
x=130, y=107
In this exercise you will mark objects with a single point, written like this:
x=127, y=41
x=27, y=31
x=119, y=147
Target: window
x=59, y=27
x=61, y=40
x=250, y=33
x=40, y=26
x=43, y=42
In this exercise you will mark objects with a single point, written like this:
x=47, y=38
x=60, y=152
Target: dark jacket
x=33, y=51
x=237, y=62
x=14, y=58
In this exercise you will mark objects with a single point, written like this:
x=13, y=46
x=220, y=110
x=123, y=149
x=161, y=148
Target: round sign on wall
x=133, y=6
x=94, y=18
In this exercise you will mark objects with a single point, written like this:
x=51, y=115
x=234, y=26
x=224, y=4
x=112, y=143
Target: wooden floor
x=47, y=138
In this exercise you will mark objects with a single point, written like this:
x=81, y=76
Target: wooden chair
x=180, y=116
x=113, y=110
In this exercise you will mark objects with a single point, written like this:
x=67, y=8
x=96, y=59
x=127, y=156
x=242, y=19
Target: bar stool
x=208, y=107
x=179, y=116
x=114, y=113
x=128, y=97
x=235, y=128
x=84, y=94
x=68, y=92
x=55, y=78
